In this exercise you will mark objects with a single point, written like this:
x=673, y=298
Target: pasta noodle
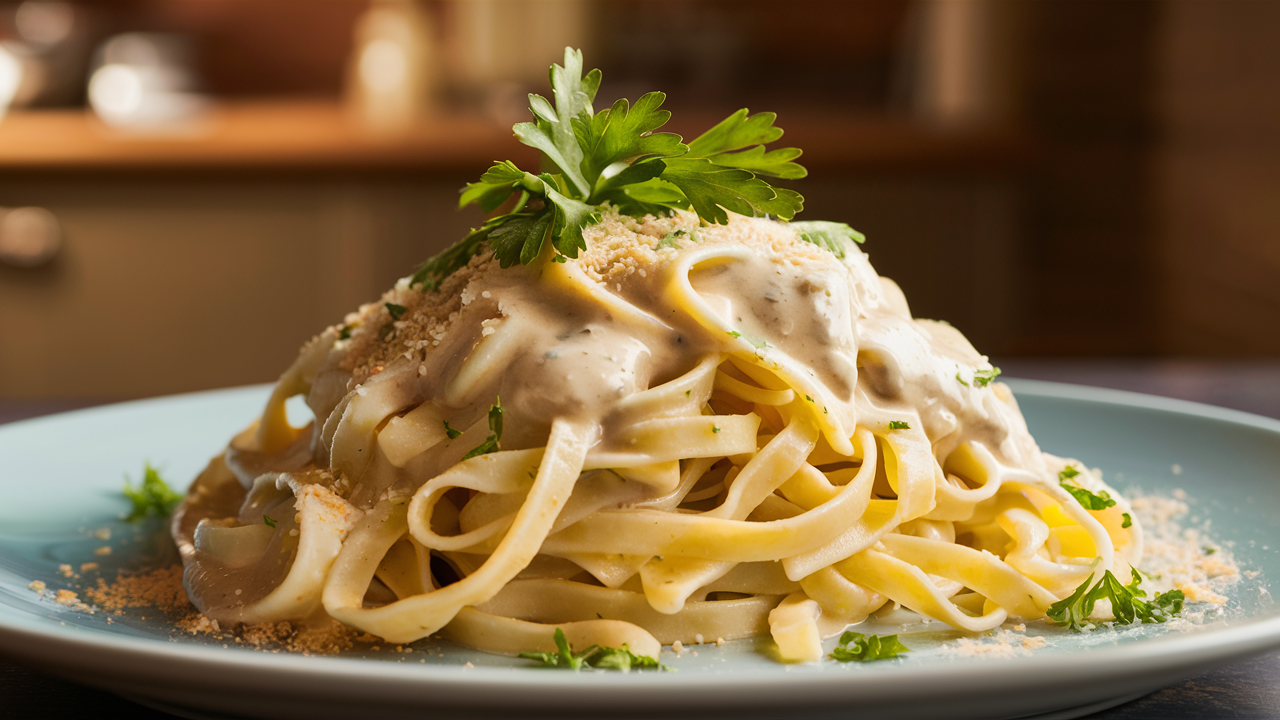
x=735, y=434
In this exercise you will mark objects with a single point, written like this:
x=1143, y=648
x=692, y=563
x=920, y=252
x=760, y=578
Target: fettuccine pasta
x=684, y=433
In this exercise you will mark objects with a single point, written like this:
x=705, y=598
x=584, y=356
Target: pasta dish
x=647, y=423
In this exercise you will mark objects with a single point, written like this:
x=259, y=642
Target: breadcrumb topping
x=619, y=248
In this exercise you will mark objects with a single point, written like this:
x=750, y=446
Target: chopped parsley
x=1208, y=550
x=345, y=332
x=806, y=397
x=856, y=647
x=687, y=393
x=616, y=156
x=671, y=238
x=1127, y=603
x=983, y=378
x=962, y=382
x=1087, y=500
x=396, y=311
x=266, y=519
x=1128, y=520
x=153, y=496
x=490, y=443
x=833, y=236
x=451, y=432
x=715, y=429
x=600, y=658
x=735, y=333
x=899, y=425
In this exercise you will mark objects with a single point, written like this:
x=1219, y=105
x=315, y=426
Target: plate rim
x=78, y=648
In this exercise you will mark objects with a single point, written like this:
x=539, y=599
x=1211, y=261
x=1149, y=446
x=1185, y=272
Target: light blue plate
x=61, y=478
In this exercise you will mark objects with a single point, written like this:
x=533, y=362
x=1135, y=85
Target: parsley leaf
x=983, y=378
x=153, y=495
x=564, y=656
x=1087, y=499
x=713, y=189
x=1128, y=521
x=752, y=132
x=601, y=658
x=452, y=433
x=624, y=660
x=618, y=156
x=490, y=443
x=856, y=647
x=833, y=236
x=1127, y=603
x=899, y=425
x=396, y=311
x=345, y=332
x=268, y=521
x=671, y=238
x=521, y=237
x=625, y=133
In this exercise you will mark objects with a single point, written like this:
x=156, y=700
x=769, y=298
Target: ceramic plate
x=61, y=478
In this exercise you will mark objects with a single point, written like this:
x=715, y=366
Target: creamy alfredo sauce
x=549, y=348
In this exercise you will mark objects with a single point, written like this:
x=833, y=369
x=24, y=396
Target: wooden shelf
x=319, y=134
x=282, y=134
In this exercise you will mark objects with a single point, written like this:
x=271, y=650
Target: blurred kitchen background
x=189, y=189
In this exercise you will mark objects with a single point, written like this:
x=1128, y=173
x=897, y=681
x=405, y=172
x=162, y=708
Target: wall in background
x=1056, y=178
x=1217, y=183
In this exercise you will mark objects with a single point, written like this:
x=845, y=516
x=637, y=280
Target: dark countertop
x=1246, y=689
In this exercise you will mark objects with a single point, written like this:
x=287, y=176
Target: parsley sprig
x=856, y=647
x=1127, y=603
x=617, y=157
x=490, y=443
x=600, y=658
x=153, y=496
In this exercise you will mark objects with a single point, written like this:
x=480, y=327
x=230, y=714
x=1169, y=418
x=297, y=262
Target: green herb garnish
x=345, y=332
x=983, y=378
x=396, y=311
x=153, y=495
x=490, y=443
x=671, y=239
x=617, y=157
x=452, y=433
x=1087, y=500
x=715, y=429
x=961, y=380
x=856, y=647
x=1127, y=603
x=1128, y=520
x=268, y=521
x=899, y=425
x=830, y=235
x=600, y=658
x=1208, y=550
